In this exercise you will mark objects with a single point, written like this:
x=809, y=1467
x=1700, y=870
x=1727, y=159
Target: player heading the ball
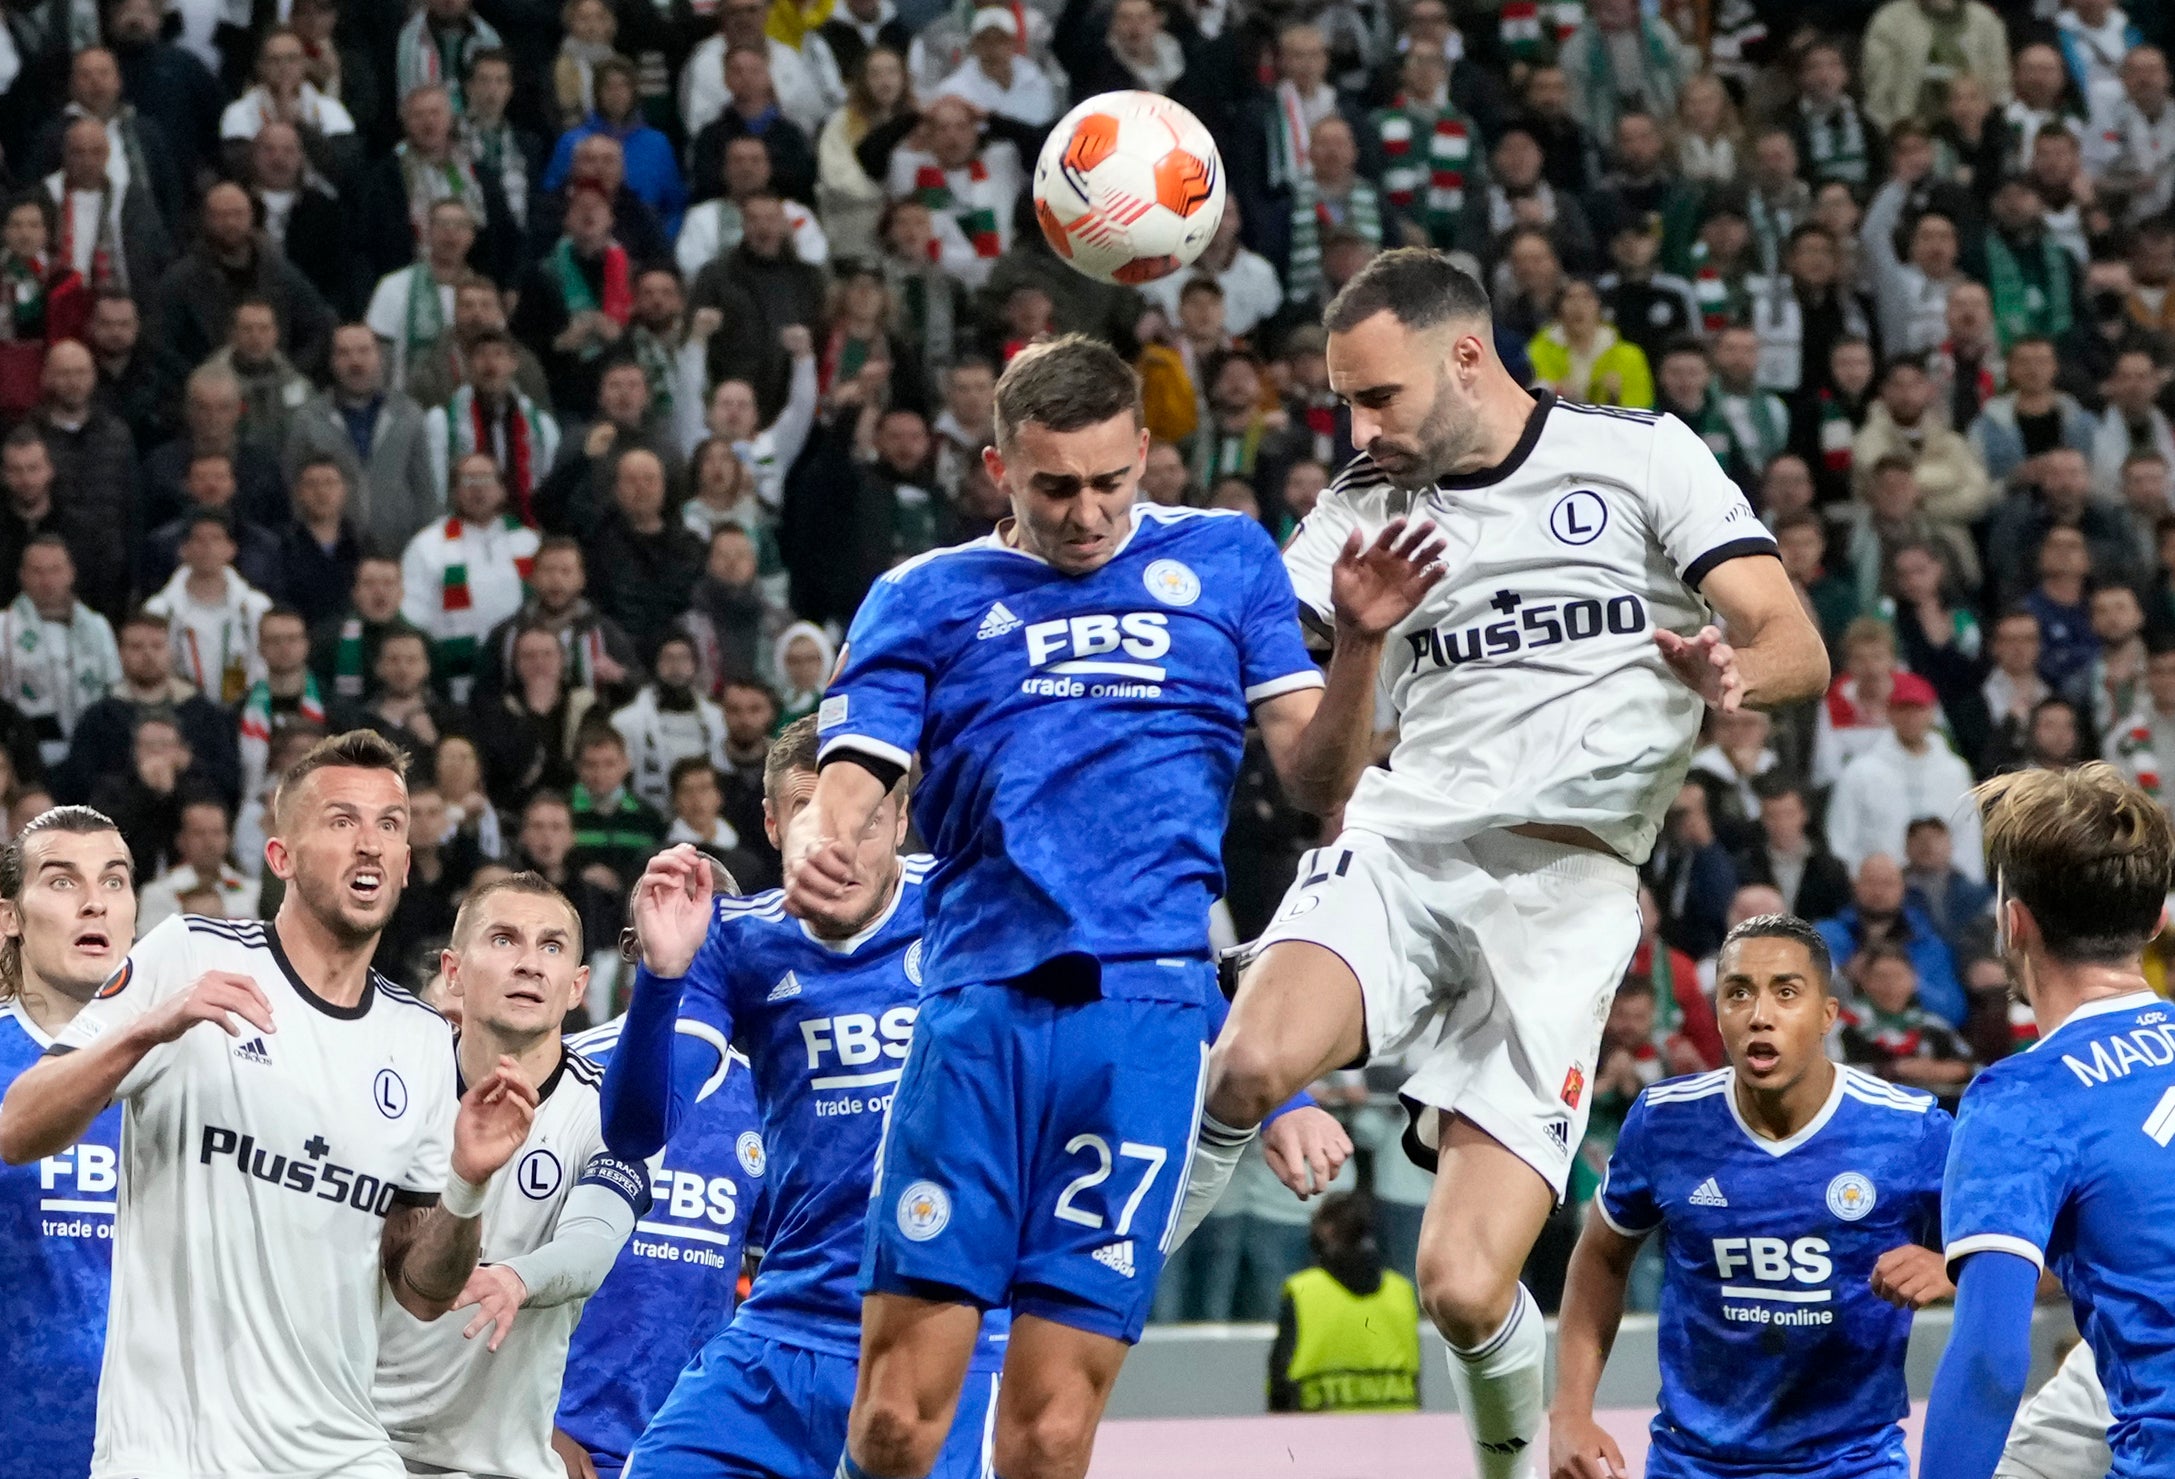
x=1077, y=687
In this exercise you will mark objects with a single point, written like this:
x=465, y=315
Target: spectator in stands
x=284, y=94
x=439, y=865
x=599, y=656
x=1729, y=768
x=715, y=227
x=28, y=510
x=492, y=417
x=404, y=707
x=127, y=377
x=731, y=614
x=93, y=457
x=1519, y=195
x=1692, y=875
x=203, y=843
x=1812, y=882
x=2060, y=497
x=302, y=218
x=463, y=577
x=525, y=737
x=1881, y=915
x=614, y=829
x=211, y=407
x=506, y=153
x=411, y=306
x=1911, y=773
x=374, y=441
x=110, y=233
x=1892, y=518
x=2132, y=422
x=2143, y=744
x=1961, y=368
x=344, y=648
x=803, y=95
x=576, y=302
x=751, y=717
x=669, y=721
x=139, y=157
x=1951, y=480
x=429, y=164
x=1584, y=359
x=1651, y=309
x=285, y=697
x=141, y=684
x=1888, y=1032
x=646, y=564
x=697, y=816
x=272, y=390
x=2143, y=166
x=2014, y=429
x=2107, y=689
x=196, y=298
x=458, y=769
x=996, y=77
x=651, y=171
x=1755, y=420
x=210, y=488
x=2066, y=641
x=437, y=48
x=2146, y=500
x=1960, y=906
x=477, y=311
x=145, y=799
x=1855, y=714
x=1911, y=292
x=848, y=196
x=1680, y=1023
x=212, y=611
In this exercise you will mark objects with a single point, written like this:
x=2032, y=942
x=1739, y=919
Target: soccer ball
x=1129, y=187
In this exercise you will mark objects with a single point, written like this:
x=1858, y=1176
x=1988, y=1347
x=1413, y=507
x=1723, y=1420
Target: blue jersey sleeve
x=1933, y=1147
x=1983, y=1371
x=675, y=1034
x=1626, y=1200
x=875, y=705
x=1273, y=656
x=2008, y=1170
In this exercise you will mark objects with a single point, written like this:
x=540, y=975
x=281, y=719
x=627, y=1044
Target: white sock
x=1216, y=1153
x=1499, y=1392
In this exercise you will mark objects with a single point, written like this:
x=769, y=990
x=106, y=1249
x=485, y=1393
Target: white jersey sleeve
x=1700, y=517
x=1312, y=551
x=2062, y=1431
x=156, y=969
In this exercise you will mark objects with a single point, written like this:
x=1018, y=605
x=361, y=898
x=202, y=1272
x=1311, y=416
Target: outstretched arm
x=657, y=1072
x=1982, y=1373
x=428, y=1251
x=1319, y=740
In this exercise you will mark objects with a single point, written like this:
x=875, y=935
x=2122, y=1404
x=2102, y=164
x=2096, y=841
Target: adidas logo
x=1707, y=1194
x=1117, y=1257
x=788, y=987
x=1560, y=1132
x=253, y=1052
x=996, y=623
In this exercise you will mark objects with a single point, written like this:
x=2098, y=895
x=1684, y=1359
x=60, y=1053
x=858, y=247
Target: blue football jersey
x=2063, y=1157
x=56, y=1268
x=825, y=1025
x=1776, y=1355
x=673, y=1286
x=1079, y=735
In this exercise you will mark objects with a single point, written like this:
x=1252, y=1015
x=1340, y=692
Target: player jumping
x=2061, y=1158
x=1077, y=687
x=308, y=1156
x=1481, y=905
x=479, y=1397
x=674, y=1284
x=1793, y=1196
x=67, y=913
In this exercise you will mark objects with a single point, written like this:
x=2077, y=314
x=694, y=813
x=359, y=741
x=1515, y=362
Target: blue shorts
x=1880, y=1457
x=1036, y=1153
x=752, y=1408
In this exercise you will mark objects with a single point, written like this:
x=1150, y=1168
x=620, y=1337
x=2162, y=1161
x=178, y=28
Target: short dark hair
x=26, y=435
x=593, y=735
x=686, y=766
x=1418, y=287
x=1775, y=785
x=1924, y=824
x=490, y=54
x=1786, y=927
x=534, y=884
x=357, y=749
x=2087, y=852
x=1065, y=384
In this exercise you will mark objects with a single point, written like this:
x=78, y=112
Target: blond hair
x=2087, y=852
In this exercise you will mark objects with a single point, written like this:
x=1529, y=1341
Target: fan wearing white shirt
x=713, y=228
x=805, y=94
x=1908, y=773
x=996, y=78
x=284, y=94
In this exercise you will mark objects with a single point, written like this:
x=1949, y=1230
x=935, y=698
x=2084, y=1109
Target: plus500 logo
x=1527, y=629
x=1773, y=1261
x=856, y=1039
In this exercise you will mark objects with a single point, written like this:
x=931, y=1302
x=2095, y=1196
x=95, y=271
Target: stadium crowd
x=543, y=387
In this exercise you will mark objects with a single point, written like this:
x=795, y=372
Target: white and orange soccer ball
x=1129, y=187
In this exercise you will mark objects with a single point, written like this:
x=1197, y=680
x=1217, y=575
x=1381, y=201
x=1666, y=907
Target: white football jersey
x=1527, y=686
x=453, y=1403
x=256, y=1174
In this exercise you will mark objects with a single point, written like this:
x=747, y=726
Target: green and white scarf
x=1312, y=220
x=1836, y=141
x=428, y=183
x=2022, y=306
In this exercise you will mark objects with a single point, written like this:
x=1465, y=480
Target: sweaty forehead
x=367, y=790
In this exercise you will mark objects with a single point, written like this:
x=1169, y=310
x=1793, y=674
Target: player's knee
x=1467, y=1300
x=1246, y=1079
x=891, y=1434
x=1049, y=1442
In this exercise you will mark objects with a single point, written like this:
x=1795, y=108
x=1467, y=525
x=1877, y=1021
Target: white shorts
x=1487, y=967
x=2062, y=1431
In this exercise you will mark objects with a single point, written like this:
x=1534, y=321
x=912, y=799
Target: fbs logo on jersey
x=996, y=623
x=1117, y=1257
x=788, y=987
x=924, y=1210
x=253, y=1051
x=1850, y=1196
x=1098, y=647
